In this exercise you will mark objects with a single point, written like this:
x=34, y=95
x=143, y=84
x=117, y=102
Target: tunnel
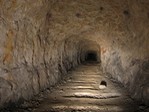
x=91, y=56
x=74, y=55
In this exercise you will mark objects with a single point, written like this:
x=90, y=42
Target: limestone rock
x=40, y=40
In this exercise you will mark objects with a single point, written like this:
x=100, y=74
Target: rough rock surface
x=40, y=40
x=80, y=92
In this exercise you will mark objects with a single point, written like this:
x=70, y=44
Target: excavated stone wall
x=41, y=40
x=30, y=60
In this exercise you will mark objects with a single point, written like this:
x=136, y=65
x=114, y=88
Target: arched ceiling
x=109, y=23
x=45, y=37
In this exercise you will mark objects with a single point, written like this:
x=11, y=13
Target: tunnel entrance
x=91, y=56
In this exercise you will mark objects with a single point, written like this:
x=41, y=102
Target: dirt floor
x=80, y=92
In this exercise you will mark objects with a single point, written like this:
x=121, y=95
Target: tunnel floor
x=80, y=92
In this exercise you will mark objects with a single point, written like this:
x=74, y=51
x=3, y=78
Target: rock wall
x=30, y=60
x=41, y=40
x=126, y=58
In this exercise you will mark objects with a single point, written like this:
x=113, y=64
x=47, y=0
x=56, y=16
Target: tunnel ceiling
x=49, y=37
x=114, y=23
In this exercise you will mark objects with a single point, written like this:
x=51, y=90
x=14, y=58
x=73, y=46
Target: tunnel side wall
x=35, y=51
x=31, y=60
x=131, y=72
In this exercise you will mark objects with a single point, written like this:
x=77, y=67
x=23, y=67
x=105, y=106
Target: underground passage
x=74, y=56
x=91, y=56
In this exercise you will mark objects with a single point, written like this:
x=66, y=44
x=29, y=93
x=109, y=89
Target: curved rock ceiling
x=41, y=40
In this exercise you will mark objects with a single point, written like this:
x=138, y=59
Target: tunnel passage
x=33, y=55
x=90, y=51
x=91, y=56
x=84, y=90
